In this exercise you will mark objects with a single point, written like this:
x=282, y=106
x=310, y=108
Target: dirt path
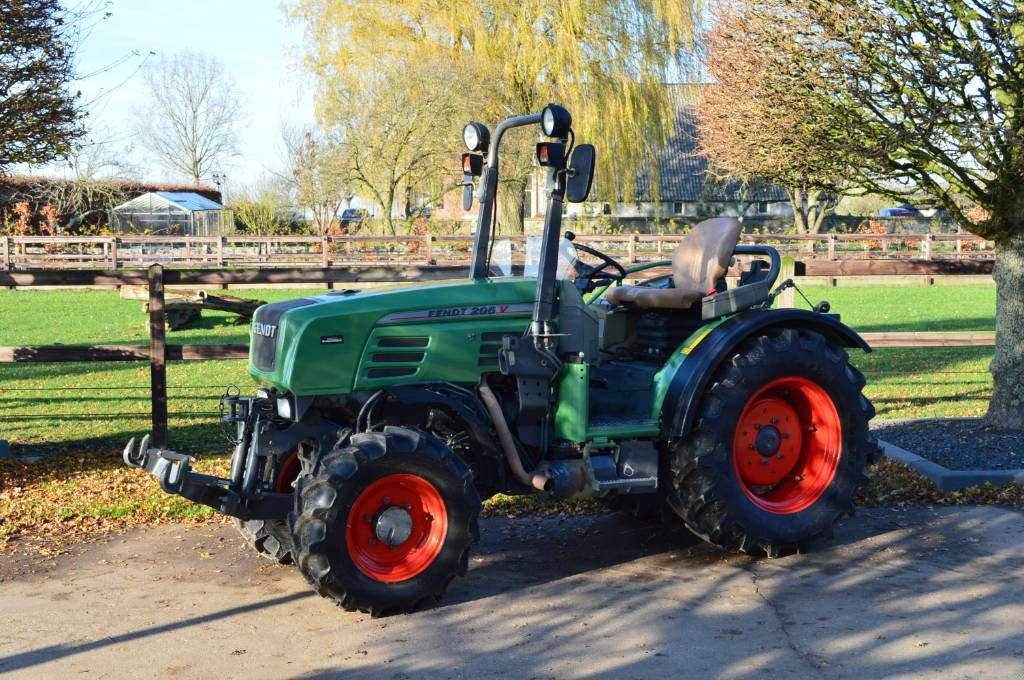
x=919, y=593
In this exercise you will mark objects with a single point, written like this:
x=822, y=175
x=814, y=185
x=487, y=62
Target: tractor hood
x=347, y=341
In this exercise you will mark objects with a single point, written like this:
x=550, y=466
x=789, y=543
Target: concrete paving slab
x=936, y=593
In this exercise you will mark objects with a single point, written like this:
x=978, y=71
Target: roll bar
x=503, y=127
x=480, y=266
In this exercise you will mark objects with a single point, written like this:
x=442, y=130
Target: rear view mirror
x=581, y=173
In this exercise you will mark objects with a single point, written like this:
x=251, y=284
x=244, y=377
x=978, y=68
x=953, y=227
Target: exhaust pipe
x=565, y=478
x=538, y=480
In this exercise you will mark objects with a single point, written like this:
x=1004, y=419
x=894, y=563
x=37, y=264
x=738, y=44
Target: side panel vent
x=490, y=343
x=404, y=341
x=389, y=371
x=397, y=357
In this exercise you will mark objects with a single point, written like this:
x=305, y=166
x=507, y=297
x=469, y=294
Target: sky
x=257, y=44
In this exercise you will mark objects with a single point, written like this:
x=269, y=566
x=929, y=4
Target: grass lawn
x=910, y=308
x=88, y=411
x=101, y=317
x=95, y=317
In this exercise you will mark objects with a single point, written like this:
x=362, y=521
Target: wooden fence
x=158, y=353
x=19, y=253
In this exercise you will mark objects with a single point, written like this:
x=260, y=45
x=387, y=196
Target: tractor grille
x=266, y=329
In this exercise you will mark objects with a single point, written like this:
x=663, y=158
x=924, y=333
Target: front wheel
x=270, y=538
x=385, y=524
x=780, y=448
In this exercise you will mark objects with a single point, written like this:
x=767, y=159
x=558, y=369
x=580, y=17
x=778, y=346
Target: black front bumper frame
x=263, y=440
x=174, y=472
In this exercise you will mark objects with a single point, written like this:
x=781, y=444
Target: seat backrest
x=703, y=256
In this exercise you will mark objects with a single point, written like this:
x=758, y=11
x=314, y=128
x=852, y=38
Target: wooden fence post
x=325, y=252
x=221, y=242
x=428, y=247
x=631, y=248
x=926, y=246
x=831, y=246
x=157, y=355
x=787, y=299
x=113, y=252
x=7, y=253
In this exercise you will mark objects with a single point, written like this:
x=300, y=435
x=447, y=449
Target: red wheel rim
x=289, y=472
x=787, y=445
x=403, y=496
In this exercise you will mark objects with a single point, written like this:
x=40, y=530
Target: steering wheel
x=597, y=275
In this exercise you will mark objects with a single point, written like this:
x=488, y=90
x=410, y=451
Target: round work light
x=555, y=121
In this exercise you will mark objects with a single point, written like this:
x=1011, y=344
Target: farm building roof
x=190, y=200
x=683, y=170
x=186, y=201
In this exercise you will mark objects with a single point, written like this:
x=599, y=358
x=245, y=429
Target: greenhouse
x=172, y=213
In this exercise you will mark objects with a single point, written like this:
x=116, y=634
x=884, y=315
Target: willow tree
x=605, y=60
x=393, y=134
x=928, y=98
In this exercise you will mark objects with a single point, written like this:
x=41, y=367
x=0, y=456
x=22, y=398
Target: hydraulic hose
x=508, y=445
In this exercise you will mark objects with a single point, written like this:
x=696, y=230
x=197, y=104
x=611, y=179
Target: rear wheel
x=385, y=524
x=271, y=537
x=780, y=449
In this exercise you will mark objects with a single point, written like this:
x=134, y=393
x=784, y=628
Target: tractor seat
x=698, y=262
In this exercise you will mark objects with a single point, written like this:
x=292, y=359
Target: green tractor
x=386, y=416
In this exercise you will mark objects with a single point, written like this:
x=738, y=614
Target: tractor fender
x=691, y=379
x=407, y=403
x=458, y=402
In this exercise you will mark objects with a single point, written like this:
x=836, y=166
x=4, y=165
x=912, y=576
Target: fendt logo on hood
x=267, y=330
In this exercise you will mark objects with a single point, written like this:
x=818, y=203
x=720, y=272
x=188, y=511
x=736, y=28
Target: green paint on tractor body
x=341, y=343
x=344, y=342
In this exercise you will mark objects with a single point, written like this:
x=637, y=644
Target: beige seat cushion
x=698, y=262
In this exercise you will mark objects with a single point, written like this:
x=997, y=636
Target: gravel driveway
x=915, y=593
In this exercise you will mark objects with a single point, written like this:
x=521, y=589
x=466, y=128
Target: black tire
x=326, y=497
x=706, y=488
x=270, y=538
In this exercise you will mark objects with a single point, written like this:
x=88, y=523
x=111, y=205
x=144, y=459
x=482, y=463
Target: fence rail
x=158, y=353
x=19, y=253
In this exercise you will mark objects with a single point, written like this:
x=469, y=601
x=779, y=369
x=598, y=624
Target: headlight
x=284, y=408
x=476, y=136
x=555, y=121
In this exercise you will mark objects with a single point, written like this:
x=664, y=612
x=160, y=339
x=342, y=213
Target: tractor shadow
x=917, y=592
x=522, y=552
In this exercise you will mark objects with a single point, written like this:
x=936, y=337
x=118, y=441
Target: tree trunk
x=511, y=207
x=1006, y=410
x=798, y=199
x=389, y=218
x=814, y=223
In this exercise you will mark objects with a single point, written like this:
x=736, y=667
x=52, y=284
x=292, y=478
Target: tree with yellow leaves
x=607, y=61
